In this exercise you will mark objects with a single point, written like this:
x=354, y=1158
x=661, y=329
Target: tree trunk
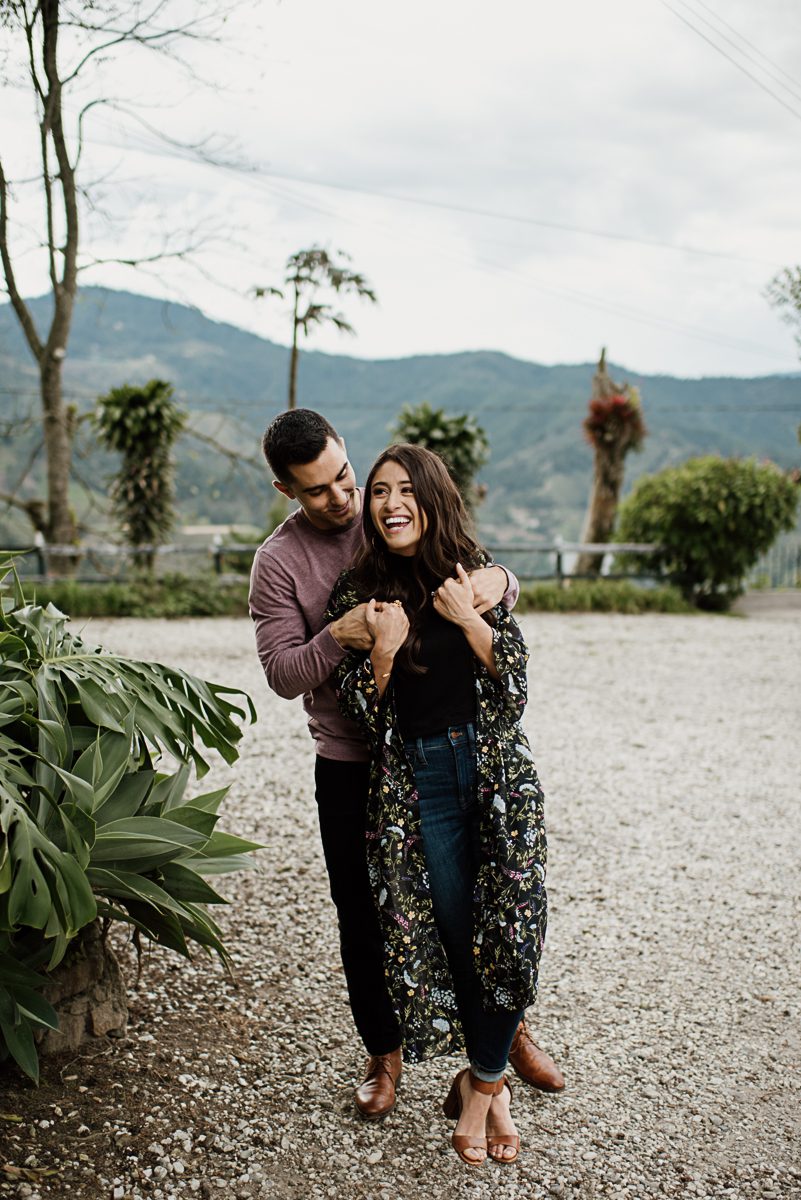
x=87, y=991
x=293, y=376
x=602, y=508
x=58, y=448
x=293, y=358
x=57, y=419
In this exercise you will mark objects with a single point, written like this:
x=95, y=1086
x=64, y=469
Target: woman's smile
x=395, y=511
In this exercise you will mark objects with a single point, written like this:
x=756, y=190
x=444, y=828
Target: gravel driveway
x=670, y=990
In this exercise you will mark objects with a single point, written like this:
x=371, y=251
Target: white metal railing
x=225, y=555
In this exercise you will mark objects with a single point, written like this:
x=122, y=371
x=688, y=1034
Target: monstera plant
x=96, y=752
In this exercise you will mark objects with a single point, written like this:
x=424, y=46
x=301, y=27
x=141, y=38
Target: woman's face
x=394, y=510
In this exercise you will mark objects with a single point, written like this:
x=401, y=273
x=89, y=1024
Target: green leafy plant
x=89, y=824
x=712, y=518
x=170, y=596
x=141, y=424
x=784, y=293
x=458, y=440
x=601, y=595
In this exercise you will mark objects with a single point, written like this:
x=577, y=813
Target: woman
x=455, y=838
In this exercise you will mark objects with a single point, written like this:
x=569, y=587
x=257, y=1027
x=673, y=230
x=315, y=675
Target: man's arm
x=494, y=585
x=293, y=662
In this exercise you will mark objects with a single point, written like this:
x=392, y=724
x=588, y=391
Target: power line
x=158, y=149
x=628, y=312
x=149, y=143
x=228, y=403
x=733, y=61
x=793, y=80
x=265, y=178
x=668, y=324
x=750, y=57
x=516, y=218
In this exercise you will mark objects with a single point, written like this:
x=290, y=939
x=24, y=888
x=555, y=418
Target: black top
x=446, y=694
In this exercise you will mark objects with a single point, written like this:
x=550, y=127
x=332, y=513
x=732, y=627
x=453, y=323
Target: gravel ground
x=670, y=988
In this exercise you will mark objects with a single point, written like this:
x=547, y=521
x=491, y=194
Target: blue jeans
x=445, y=774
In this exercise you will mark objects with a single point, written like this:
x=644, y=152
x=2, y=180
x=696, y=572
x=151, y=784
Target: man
x=293, y=574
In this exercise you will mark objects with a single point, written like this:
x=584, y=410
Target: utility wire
x=265, y=179
x=226, y=404
x=158, y=149
x=792, y=78
x=794, y=92
x=516, y=218
x=795, y=112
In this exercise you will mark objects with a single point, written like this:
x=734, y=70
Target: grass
x=206, y=596
x=602, y=595
x=169, y=596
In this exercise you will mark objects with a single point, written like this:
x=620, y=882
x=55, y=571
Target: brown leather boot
x=375, y=1097
x=532, y=1064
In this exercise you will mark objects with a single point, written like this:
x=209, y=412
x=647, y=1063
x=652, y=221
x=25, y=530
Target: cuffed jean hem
x=485, y=1075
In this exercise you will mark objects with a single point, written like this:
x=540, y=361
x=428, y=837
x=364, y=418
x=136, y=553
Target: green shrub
x=600, y=595
x=141, y=424
x=90, y=823
x=459, y=441
x=170, y=596
x=712, y=518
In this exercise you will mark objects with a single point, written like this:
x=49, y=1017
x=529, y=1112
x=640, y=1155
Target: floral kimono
x=509, y=904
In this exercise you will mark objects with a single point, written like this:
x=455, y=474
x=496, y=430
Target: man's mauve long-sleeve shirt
x=293, y=574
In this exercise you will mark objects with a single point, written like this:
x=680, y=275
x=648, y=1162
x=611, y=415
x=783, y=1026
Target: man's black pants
x=341, y=793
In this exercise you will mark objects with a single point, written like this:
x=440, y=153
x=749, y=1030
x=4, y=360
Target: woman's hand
x=389, y=626
x=454, y=600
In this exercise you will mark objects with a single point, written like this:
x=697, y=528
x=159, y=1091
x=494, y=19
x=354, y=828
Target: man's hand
x=489, y=587
x=352, y=631
x=454, y=600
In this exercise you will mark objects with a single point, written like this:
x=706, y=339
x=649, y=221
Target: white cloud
x=612, y=117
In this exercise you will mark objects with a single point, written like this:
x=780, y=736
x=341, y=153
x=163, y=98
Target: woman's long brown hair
x=446, y=540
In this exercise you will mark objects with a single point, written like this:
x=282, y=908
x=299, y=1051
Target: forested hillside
x=233, y=382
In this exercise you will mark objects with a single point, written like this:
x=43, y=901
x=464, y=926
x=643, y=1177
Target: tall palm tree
x=613, y=426
x=310, y=274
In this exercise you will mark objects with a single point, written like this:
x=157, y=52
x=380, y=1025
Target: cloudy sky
x=537, y=179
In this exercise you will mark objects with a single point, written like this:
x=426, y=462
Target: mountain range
x=233, y=382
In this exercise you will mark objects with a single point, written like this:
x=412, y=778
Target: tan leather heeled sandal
x=503, y=1139
x=453, y=1110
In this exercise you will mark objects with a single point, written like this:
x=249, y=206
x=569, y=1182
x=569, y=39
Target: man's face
x=325, y=488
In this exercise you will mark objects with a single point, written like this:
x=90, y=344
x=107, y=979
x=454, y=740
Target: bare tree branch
x=12, y=427
x=35, y=510
x=32, y=457
x=98, y=30
x=34, y=74
x=20, y=307
x=144, y=259
x=233, y=456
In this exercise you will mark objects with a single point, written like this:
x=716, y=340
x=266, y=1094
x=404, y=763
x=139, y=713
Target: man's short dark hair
x=295, y=438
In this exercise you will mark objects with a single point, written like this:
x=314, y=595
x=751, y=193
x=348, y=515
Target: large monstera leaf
x=89, y=824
